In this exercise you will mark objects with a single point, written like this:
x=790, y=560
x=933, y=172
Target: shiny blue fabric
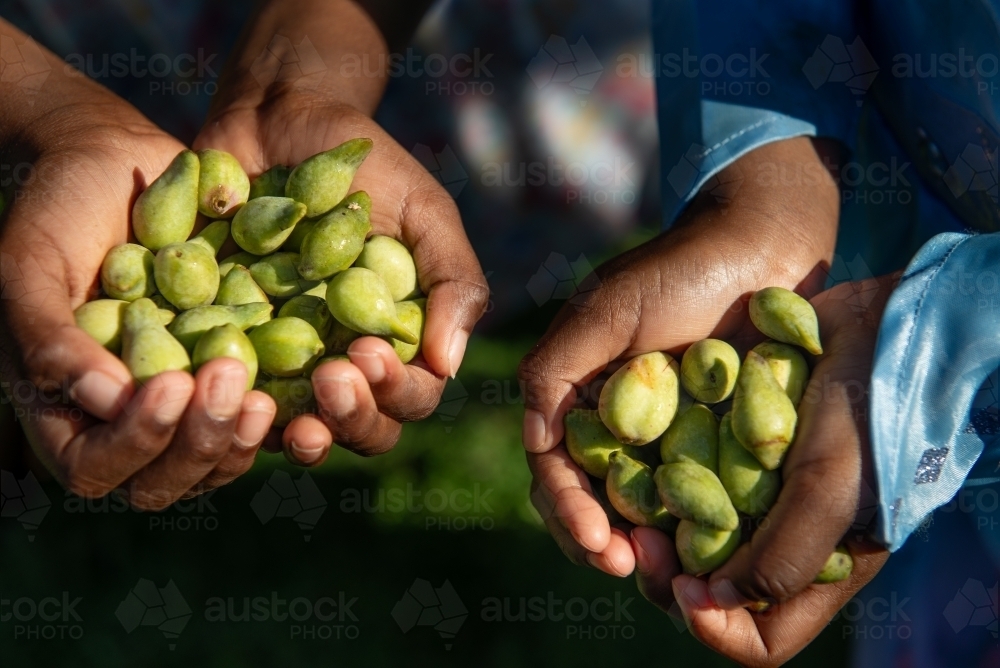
x=939, y=343
x=835, y=70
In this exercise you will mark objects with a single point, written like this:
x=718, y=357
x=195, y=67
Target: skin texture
x=687, y=285
x=177, y=435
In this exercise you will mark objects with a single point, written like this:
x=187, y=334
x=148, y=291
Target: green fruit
x=293, y=397
x=318, y=291
x=213, y=236
x=226, y=341
x=286, y=346
x=590, y=444
x=632, y=492
x=785, y=316
x=293, y=244
x=164, y=213
x=127, y=272
x=322, y=181
x=187, y=275
x=692, y=492
x=412, y=315
x=359, y=300
x=271, y=183
x=148, y=349
x=277, y=276
x=337, y=239
x=311, y=309
x=709, y=369
x=243, y=259
x=223, y=186
x=393, y=263
x=763, y=415
x=703, y=549
x=167, y=310
x=102, y=319
x=693, y=436
x=838, y=567
x=788, y=366
x=189, y=326
x=263, y=224
x=340, y=337
x=640, y=399
x=752, y=488
x=238, y=287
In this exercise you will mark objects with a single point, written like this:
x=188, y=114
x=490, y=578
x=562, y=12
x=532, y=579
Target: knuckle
x=205, y=451
x=766, y=583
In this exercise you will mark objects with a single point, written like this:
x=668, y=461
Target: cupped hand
x=824, y=475
x=85, y=158
x=688, y=284
x=362, y=403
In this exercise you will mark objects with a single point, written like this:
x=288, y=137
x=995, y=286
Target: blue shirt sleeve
x=933, y=401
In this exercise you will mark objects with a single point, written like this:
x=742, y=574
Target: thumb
x=582, y=340
x=42, y=351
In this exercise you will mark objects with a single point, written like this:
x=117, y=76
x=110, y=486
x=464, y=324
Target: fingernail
x=642, y=561
x=456, y=350
x=533, y=432
x=252, y=427
x=345, y=400
x=305, y=456
x=225, y=393
x=691, y=594
x=170, y=410
x=99, y=394
x=371, y=364
x=725, y=595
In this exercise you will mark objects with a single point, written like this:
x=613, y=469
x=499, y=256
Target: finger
x=100, y=459
x=306, y=441
x=405, y=392
x=582, y=341
x=655, y=566
x=616, y=559
x=203, y=438
x=348, y=409
x=816, y=505
x=253, y=424
x=772, y=637
x=567, y=494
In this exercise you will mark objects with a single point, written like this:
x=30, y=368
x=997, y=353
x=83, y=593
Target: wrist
x=330, y=52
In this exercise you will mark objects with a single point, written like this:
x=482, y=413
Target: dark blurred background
x=435, y=543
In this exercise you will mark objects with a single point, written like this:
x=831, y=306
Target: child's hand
x=79, y=155
x=263, y=123
x=686, y=285
x=818, y=503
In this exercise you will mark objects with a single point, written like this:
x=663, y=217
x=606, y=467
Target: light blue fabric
x=939, y=342
x=932, y=389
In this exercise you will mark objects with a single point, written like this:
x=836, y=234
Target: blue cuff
x=734, y=131
x=933, y=404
